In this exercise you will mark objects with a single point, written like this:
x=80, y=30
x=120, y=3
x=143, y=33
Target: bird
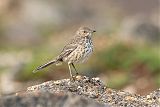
x=77, y=50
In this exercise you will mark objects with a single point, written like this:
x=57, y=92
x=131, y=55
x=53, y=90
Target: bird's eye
x=84, y=31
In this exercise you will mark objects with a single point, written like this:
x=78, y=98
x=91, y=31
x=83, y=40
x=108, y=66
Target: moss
x=157, y=80
x=124, y=57
x=40, y=56
x=118, y=80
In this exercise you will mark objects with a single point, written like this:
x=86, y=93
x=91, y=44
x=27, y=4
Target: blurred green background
x=126, y=53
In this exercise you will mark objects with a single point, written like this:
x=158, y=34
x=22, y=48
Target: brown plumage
x=76, y=51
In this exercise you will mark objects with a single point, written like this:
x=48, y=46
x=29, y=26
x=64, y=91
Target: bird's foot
x=76, y=78
x=72, y=78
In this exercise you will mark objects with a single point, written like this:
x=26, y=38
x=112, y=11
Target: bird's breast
x=88, y=48
x=81, y=53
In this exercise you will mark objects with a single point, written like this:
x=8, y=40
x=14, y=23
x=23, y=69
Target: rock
x=79, y=92
x=48, y=100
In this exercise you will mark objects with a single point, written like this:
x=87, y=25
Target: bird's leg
x=75, y=69
x=70, y=70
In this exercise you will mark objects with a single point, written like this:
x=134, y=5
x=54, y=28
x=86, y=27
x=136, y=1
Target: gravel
x=94, y=89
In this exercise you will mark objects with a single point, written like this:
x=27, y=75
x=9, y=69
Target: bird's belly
x=88, y=49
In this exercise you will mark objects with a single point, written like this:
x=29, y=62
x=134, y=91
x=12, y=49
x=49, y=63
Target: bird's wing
x=67, y=50
x=70, y=47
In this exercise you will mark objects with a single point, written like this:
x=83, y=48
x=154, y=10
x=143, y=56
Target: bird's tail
x=45, y=65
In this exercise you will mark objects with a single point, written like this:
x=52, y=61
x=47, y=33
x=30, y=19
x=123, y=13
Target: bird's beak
x=94, y=31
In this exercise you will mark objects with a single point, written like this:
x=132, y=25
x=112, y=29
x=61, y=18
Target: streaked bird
x=76, y=51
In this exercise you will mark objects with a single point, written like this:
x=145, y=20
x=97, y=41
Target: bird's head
x=85, y=31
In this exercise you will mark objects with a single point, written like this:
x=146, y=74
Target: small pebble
x=148, y=96
x=78, y=77
x=57, y=82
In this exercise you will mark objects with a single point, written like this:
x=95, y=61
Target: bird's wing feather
x=70, y=47
x=67, y=50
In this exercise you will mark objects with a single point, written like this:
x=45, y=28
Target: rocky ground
x=78, y=92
